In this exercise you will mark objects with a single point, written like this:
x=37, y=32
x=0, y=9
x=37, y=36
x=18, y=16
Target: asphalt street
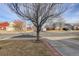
x=7, y=36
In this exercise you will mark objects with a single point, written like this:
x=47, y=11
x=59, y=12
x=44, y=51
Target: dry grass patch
x=76, y=38
x=23, y=48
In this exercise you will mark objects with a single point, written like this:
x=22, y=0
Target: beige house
x=10, y=27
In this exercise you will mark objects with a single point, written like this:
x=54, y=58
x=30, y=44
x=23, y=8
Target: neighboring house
x=29, y=27
x=54, y=26
x=10, y=27
x=59, y=26
x=68, y=26
x=76, y=26
x=4, y=25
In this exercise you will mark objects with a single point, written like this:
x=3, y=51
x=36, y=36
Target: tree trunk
x=37, y=34
x=38, y=38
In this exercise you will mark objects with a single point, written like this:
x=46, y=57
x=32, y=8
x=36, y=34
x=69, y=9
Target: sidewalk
x=54, y=51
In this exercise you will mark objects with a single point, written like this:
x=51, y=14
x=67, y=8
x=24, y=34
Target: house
x=10, y=27
x=4, y=25
x=76, y=26
x=68, y=26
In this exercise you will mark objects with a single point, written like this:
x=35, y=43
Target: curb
x=54, y=51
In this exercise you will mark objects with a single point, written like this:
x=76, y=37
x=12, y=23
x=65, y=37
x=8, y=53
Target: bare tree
x=38, y=13
x=18, y=25
x=59, y=22
x=55, y=22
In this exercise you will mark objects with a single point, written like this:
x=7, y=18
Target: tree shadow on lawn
x=24, y=36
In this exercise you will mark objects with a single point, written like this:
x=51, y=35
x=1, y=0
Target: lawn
x=23, y=48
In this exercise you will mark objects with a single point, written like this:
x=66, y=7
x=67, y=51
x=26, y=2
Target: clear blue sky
x=71, y=16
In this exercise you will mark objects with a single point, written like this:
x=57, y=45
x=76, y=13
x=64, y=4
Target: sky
x=70, y=16
x=6, y=14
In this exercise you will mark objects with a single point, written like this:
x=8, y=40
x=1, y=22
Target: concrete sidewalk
x=67, y=46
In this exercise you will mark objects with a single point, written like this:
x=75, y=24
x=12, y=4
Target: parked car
x=66, y=29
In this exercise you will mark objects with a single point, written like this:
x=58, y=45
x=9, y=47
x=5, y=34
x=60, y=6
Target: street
x=8, y=35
